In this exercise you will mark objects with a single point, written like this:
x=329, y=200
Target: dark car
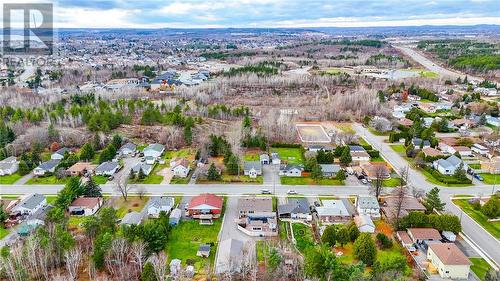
x=478, y=177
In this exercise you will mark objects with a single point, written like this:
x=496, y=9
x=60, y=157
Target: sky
x=268, y=13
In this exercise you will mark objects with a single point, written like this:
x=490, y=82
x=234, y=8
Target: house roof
x=62, y=151
x=86, y=202
x=449, y=254
x=146, y=168
x=418, y=142
x=376, y=170
x=294, y=206
x=129, y=146
x=30, y=201
x=405, y=238
x=7, y=163
x=334, y=208
x=160, y=201
x=107, y=166
x=249, y=165
x=155, y=147
x=81, y=166
x=132, y=218
x=41, y=213
x=461, y=148
x=367, y=202
x=405, y=122
x=363, y=220
x=206, y=201
x=424, y=233
x=181, y=162
x=290, y=167
x=230, y=249
x=263, y=156
x=429, y=151
x=357, y=148
x=330, y=168
x=49, y=164
x=256, y=204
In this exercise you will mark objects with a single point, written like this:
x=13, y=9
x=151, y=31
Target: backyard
x=289, y=155
x=309, y=181
x=303, y=236
x=10, y=179
x=479, y=217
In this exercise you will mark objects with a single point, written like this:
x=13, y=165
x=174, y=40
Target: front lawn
x=186, y=237
x=434, y=180
x=399, y=148
x=100, y=179
x=377, y=133
x=10, y=179
x=392, y=182
x=152, y=178
x=133, y=204
x=309, y=181
x=47, y=180
x=303, y=236
x=187, y=153
x=3, y=232
x=479, y=267
x=226, y=179
x=491, y=179
x=479, y=217
x=289, y=155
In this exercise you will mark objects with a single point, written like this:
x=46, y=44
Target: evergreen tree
x=460, y=173
x=346, y=158
x=87, y=152
x=92, y=189
x=353, y=232
x=116, y=141
x=341, y=175
x=140, y=174
x=343, y=236
x=316, y=172
x=247, y=122
x=432, y=201
x=148, y=273
x=24, y=168
x=213, y=175
x=329, y=236
x=188, y=135
x=364, y=249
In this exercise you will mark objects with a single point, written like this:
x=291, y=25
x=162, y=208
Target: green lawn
x=187, y=153
x=303, y=236
x=479, y=267
x=3, y=232
x=226, y=179
x=186, y=237
x=75, y=221
x=474, y=166
x=345, y=127
x=10, y=179
x=309, y=181
x=491, y=227
x=152, y=178
x=430, y=178
x=289, y=155
x=377, y=159
x=262, y=250
x=377, y=133
x=283, y=230
x=47, y=180
x=491, y=179
x=133, y=204
x=252, y=156
x=392, y=182
x=399, y=148
x=100, y=179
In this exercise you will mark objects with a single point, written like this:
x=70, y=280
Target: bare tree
x=73, y=258
x=159, y=262
x=117, y=259
x=380, y=173
x=122, y=186
x=141, y=191
x=401, y=192
x=138, y=250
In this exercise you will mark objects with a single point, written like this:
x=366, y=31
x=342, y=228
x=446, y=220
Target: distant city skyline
x=269, y=13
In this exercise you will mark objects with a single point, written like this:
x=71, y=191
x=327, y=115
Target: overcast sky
x=270, y=13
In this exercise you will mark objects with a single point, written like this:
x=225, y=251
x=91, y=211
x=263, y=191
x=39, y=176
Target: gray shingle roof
x=294, y=206
x=132, y=218
x=353, y=148
x=158, y=201
x=367, y=202
x=155, y=146
x=330, y=168
x=62, y=151
x=107, y=166
x=129, y=146
x=49, y=164
x=31, y=201
x=248, y=165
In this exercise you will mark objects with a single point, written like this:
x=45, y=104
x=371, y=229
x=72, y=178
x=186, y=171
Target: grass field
x=187, y=153
x=399, y=148
x=479, y=267
x=133, y=204
x=152, y=178
x=289, y=155
x=377, y=133
x=392, y=182
x=10, y=179
x=491, y=227
x=345, y=127
x=47, y=180
x=309, y=181
x=252, y=156
x=430, y=178
x=262, y=250
x=100, y=179
x=186, y=237
x=3, y=232
x=491, y=179
x=303, y=236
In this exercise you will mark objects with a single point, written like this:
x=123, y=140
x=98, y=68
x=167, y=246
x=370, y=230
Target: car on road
x=265, y=191
x=478, y=177
x=364, y=181
x=317, y=204
x=111, y=178
x=291, y=191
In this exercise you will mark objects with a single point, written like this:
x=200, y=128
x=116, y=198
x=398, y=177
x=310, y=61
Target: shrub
x=364, y=249
x=384, y=241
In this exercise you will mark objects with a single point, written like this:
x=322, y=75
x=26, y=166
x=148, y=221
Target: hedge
x=286, y=145
x=444, y=178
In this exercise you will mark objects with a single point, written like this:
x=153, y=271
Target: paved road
x=430, y=65
x=489, y=244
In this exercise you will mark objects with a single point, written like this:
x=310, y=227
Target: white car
x=265, y=191
x=290, y=191
x=364, y=181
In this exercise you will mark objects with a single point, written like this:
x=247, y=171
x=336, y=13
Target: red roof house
x=205, y=207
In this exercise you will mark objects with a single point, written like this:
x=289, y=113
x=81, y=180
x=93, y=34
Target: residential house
x=85, y=206
x=295, y=208
x=446, y=148
x=256, y=216
x=80, y=169
x=108, y=168
x=423, y=235
x=493, y=121
x=409, y=204
x=29, y=204
x=8, y=166
x=432, y=152
x=127, y=149
x=229, y=256
x=264, y=159
x=418, y=143
x=252, y=168
x=275, y=158
x=405, y=239
x=429, y=120
x=154, y=150
x=59, y=154
x=491, y=166
x=38, y=217
x=427, y=107
x=463, y=123
x=133, y=218
x=46, y=167
x=364, y=223
x=205, y=207
x=291, y=170
x=376, y=171
x=180, y=167
x=464, y=151
x=329, y=170
x=368, y=205
x=175, y=216
x=481, y=150
x=150, y=160
x=335, y=211
x=449, y=261
x=449, y=165
x=145, y=168
x=358, y=154
x=157, y=204
x=405, y=122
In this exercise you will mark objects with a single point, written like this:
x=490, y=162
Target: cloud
x=271, y=13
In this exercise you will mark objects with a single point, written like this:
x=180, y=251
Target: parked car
x=265, y=191
x=291, y=191
x=478, y=177
x=111, y=178
x=317, y=204
x=364, y=181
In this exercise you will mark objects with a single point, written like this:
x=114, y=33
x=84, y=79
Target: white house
x=291, y=170
x=59, y=154
x=464, y=151
x=46, y=167
x=252, y=168
x=8, y=166
x=368, y=205
x=275, y=158
x=481, y=150
x=29, y=204
x=127, y=149
x=449, y=165
x=146, y=168
x=85, y=206
x=264, y=159
x=158, y=204
x=445, y=148
x=108, y=168
x=449, y=260
x=180, y=168
x=364, y=223
x=493, y=121
x=154, y=150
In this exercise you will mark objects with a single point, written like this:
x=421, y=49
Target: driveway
x=270, y=174
x=128, y=163
x=25, y=178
